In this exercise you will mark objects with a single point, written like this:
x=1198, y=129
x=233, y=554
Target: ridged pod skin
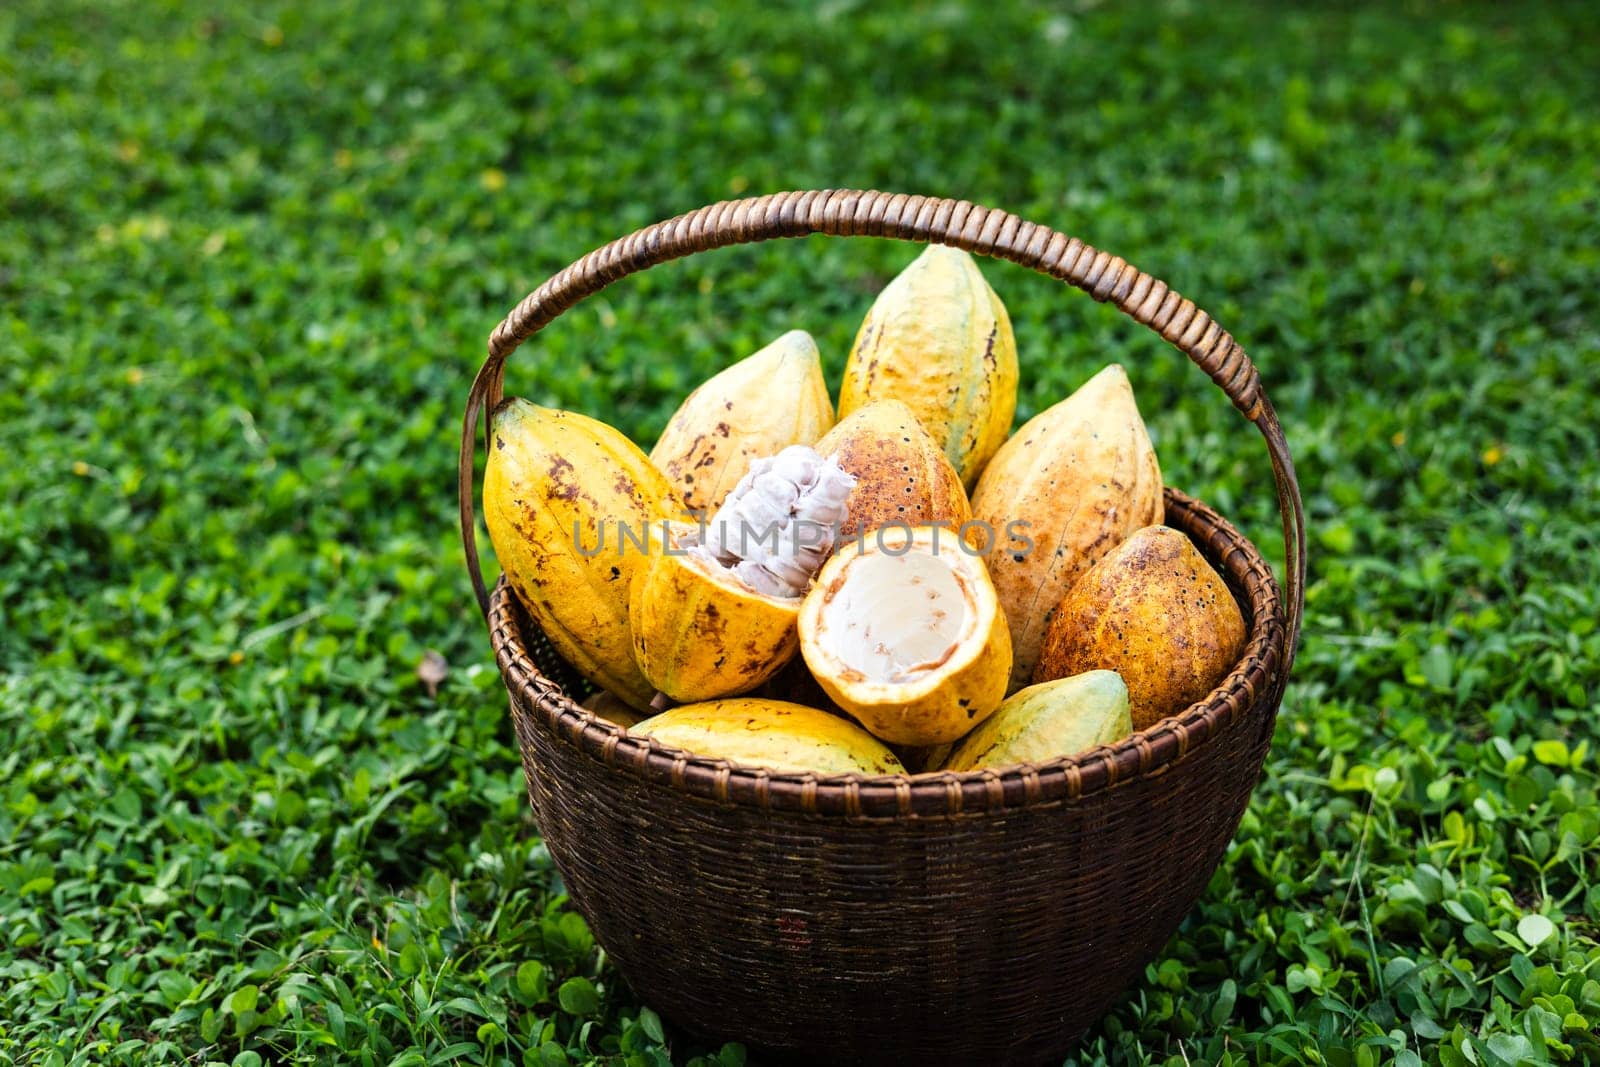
x=903, y=630
x=1155, y=612
x=939, y=340
x=755, y=408
x=772, y=734
x=902, y=475
x=556, y=483
x=1045, y=721
x=1076, y=479
x=699, y=633
x=614, y=709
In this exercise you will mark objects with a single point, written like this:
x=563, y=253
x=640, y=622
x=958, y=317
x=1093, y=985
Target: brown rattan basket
x=987, y=916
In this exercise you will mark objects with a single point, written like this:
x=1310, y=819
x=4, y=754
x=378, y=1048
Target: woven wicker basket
x=988, y=916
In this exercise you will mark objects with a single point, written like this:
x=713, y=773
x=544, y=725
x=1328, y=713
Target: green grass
x=247, y=265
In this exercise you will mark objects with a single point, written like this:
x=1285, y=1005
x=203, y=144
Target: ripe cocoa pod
x=1045, y=721
x=574, y=510
x=902, y=475
x=1154, y=611
x=904, y=632
x=699, y=632
x=772, y=734
x=939, y=340
x=1064, y=490
x=755, y=408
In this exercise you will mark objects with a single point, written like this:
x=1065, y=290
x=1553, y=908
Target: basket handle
x=851, y=212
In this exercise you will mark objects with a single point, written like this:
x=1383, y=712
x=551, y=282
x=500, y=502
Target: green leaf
x=1535, y=930
x=1339, y=538
x=532, y=981
x=578, y=996
x=242, y=1000
x=175, y=988
x=1551, y=753
x=1522, y=968
x=1510, y=1049
x=336, y=1021
x=412, y=959
x=1300, y=979
x=1437, y=667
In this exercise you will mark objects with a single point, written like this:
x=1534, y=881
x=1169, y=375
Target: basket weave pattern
x=984, y=916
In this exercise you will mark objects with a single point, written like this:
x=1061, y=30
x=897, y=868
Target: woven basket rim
x=930, y=793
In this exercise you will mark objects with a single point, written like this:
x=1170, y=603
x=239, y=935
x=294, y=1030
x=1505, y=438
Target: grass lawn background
x=247, y=264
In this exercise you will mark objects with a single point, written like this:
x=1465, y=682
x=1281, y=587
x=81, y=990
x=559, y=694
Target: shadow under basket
x=987, y=916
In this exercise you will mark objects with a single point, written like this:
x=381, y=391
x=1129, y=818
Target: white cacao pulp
x=899, y=616
x=779, y=524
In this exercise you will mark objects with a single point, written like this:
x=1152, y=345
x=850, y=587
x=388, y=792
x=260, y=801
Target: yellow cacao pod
x=903, y=631
x=1042, y=722
x=772, y=734
x=573, y=508
x=699, y=633
x=939, y=340
x=1064, y=490
x=753, y=409
x=1154, y=611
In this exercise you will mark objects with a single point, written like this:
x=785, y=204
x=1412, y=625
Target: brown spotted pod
x=753, y=409
x=699, y=631
x=902, y=475
x=1067, y=488
x=772, y=734
x=1154, y=611
x=570, y=504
